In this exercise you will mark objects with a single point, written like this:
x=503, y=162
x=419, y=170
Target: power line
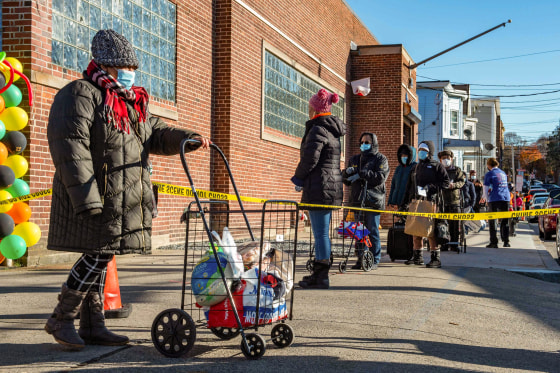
x=493, y=85
x=522, y=95
x=493, y=59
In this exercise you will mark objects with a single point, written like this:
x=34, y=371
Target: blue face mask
x=365, y=147
x=422, y=154
x=126, y=78
x=404, y=159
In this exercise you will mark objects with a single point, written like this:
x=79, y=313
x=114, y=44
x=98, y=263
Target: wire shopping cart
x=237, y=283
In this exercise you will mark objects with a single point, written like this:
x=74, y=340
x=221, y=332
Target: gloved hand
x=353, y=178
x=298, y=188
x=351, y=170
x=297, y=181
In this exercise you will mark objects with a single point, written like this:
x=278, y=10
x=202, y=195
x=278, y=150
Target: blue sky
x=428, y=27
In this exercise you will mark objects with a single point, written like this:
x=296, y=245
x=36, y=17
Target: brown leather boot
x=61, y=322
x=92, y=323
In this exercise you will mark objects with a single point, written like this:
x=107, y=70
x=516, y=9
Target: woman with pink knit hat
x=318, y=175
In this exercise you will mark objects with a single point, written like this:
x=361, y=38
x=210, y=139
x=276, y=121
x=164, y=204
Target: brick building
x=239, y=72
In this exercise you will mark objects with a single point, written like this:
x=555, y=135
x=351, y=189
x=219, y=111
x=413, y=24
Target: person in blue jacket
x=406, y=155
x=496, y=193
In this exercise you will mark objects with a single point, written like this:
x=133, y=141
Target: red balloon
x=20, y=212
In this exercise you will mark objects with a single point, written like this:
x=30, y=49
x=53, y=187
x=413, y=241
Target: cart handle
x=215, y=147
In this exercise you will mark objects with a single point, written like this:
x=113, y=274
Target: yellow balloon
x=18, y=164
x=14, y=118
x=3, y=196
x=30, y=232
x=16, y=65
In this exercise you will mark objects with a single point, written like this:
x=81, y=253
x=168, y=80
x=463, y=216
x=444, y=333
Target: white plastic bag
x=230, y=249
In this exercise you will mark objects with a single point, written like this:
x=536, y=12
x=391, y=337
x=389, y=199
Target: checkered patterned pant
x=88, y=273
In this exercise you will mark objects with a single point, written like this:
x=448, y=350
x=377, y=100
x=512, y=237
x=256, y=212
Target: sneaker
x=506, y=244
x=492, y=246
x=373, y=267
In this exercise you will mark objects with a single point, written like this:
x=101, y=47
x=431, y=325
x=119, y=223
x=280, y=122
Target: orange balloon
x=20, y=212
x=2, y=107
x=3, y=153
x=2, y=258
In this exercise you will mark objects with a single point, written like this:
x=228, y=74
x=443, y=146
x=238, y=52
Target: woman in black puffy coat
x=100, y=135
x=318, y=175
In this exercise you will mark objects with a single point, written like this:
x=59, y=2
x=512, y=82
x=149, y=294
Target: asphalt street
x=477, y=313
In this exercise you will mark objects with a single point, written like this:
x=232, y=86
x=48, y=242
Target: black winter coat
x=429, y=173
x=373, y=168
x=102, y=193
x=319, y=164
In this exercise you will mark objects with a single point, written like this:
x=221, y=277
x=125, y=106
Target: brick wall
x=219, y=73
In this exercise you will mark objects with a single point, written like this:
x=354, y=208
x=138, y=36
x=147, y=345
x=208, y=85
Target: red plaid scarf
x=115, y=96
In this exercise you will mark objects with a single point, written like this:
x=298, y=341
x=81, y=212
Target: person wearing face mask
x=452, y=196
x=406, y=156
x=319, y=177
x=100, y=135
x=368, y=169
x=496, y=193
x=431, y=178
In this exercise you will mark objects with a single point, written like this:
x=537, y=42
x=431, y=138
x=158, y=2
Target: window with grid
x=286, y=97
x=150, y=25
x=454, y=127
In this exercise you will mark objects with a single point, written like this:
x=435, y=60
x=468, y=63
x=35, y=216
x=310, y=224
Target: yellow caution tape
x=175, y=190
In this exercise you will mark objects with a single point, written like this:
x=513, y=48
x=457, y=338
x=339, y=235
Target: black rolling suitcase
x=399, y=244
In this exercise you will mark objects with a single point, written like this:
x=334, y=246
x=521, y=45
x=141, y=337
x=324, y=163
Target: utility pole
x=512, y=166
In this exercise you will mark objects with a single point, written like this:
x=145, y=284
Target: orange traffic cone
x=114, y=309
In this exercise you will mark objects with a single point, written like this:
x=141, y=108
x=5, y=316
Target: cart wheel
x=309, y=265
x=257, y=346
x=367, y=261
x=225, y=333
x=173, y=332
x=342, y=266
x=282, y=335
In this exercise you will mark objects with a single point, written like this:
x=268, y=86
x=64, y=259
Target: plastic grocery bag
x=206, y=281
x=226, y=244
x=230, y=249
x=352, y=229
x=250, y=252
x=282, y=266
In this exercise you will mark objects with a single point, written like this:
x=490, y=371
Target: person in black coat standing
x=430, y=178
x=368, y=172
x=318, y=175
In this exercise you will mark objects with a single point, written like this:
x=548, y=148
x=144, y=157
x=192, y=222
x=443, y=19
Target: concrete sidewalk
x=474, y=314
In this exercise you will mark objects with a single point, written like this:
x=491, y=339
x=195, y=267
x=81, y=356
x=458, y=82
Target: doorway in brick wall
x=407, y=131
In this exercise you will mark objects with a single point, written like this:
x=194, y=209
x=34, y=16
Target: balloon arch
x=16, y=232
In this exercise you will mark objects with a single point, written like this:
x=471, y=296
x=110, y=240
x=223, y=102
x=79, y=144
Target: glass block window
x=286, y=97
x=150, y=25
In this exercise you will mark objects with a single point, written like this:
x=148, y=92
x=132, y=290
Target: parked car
x=549, y=187
x=547, y=223
x=537, y=203
x=530, y=195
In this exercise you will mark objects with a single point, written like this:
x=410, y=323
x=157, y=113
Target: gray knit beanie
x=110, y=48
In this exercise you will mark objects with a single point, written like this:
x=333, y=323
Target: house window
x=286, y=98
x=150, y=25
x=454, y=125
